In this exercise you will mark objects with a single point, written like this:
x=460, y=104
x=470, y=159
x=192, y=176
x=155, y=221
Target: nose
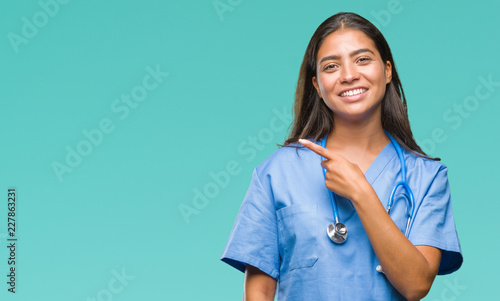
x=349, y=73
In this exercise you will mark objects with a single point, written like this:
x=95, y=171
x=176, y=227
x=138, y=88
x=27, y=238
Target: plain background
x=231, y=80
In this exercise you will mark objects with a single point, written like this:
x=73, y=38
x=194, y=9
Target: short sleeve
x=434, y=225
x=254, y=237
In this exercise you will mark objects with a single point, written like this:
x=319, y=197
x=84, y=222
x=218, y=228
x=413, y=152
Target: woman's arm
x=259, y=286
x=410, y=269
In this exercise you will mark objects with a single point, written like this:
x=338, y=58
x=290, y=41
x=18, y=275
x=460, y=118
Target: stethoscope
x=337, y=231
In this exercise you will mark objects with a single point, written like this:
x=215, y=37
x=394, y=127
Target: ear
x=316, y=85
x=388, y=72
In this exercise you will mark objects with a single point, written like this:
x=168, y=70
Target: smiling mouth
x=353, y=92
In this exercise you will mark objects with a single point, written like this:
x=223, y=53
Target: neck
x=361, y=135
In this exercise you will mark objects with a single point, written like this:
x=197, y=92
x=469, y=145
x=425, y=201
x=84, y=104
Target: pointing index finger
x=316, y=148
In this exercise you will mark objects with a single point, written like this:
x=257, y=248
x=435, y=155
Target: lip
x=353, y=97
x=352, y=88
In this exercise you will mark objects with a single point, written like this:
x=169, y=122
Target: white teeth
x=353, y=92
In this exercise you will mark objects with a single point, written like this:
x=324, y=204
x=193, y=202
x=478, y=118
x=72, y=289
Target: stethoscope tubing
x=332, y=194
x=390, y=202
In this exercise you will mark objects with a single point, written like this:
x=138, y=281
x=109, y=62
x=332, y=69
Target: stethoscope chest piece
x=337, y=232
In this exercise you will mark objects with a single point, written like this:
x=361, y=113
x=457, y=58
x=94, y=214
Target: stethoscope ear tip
x=379, y=269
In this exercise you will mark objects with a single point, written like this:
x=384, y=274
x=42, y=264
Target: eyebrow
x=353, y=53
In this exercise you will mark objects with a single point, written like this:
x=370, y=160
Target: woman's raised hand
x=342, y=177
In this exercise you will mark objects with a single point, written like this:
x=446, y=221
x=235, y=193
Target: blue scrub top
x=281, y=226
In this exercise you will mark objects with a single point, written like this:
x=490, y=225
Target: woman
x=350, y=98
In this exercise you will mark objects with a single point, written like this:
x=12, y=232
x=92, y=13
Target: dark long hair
x=313, y=119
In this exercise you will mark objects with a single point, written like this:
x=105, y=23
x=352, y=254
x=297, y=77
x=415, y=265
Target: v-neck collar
x=380, y=162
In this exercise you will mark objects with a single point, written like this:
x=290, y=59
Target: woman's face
x=351, y=76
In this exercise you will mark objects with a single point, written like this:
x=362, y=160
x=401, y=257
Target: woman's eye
x=364, y=59
x=329, y=67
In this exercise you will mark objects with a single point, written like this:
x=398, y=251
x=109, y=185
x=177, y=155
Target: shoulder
x=424, y=165
x=287, y=158
x=280, y=158
x=429, y=176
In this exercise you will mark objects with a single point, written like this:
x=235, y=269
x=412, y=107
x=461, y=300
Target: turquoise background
x=229, y=74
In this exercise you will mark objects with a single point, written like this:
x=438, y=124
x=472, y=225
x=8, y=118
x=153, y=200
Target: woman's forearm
x=410, y=269
x=259, y=286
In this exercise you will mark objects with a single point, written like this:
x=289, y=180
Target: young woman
x=349, y=99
